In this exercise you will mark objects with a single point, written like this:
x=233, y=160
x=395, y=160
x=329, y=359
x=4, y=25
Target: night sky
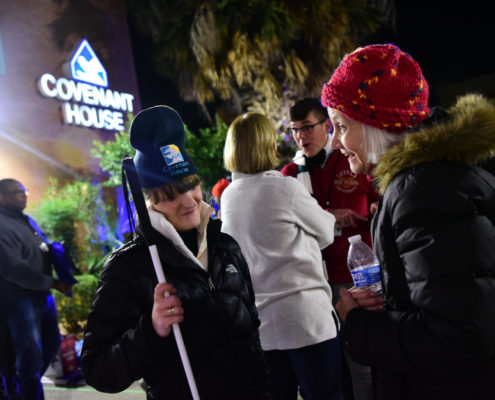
x=451, y=41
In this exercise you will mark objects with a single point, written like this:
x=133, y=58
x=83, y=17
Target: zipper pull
x=210, y=284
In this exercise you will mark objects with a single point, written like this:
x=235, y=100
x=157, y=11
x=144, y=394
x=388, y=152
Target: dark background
x=452, y=42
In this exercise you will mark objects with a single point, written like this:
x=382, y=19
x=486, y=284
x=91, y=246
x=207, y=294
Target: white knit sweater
x=281, y=230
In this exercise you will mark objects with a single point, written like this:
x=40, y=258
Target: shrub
x=110, y=154
x=206, y=149
x=73, y=311
x=70, y=215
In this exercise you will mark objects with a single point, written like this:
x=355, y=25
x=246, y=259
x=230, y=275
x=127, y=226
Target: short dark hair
x=170, y=190
x=5, y=183
x=303, y=107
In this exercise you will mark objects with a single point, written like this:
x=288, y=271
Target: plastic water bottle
x=363, y=265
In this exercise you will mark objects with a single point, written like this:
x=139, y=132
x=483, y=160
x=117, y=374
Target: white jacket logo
x=230, y=268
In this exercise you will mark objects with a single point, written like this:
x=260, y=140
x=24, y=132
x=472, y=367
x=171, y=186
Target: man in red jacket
x=351, y=198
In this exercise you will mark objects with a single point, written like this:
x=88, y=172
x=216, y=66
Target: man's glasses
x=16, y=192
x=304, y=129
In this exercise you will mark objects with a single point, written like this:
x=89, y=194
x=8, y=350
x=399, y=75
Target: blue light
x=86, y=67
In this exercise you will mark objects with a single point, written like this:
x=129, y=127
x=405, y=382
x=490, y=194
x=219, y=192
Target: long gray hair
x=376, y=141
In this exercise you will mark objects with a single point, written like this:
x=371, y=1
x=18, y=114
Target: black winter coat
x=220, y=327
x=434, y=234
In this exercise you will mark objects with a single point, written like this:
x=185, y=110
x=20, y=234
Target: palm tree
x=255, y=55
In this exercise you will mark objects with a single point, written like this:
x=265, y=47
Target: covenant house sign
x=87, y=101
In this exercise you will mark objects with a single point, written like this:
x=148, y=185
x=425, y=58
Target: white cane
x=157, y=264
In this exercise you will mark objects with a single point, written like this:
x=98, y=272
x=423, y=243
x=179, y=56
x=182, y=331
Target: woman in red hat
x=433, y=232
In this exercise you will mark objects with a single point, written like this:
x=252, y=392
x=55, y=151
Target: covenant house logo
x=87, y=102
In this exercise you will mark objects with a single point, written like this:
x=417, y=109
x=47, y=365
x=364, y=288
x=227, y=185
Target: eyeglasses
x=16, y=192
x=304, y=129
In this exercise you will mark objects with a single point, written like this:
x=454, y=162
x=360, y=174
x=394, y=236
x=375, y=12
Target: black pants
x=315, y=370
x=8, y=381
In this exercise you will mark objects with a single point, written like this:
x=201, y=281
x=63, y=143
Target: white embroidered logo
x=230, y=268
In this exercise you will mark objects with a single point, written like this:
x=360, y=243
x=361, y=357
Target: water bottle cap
x=354, y=239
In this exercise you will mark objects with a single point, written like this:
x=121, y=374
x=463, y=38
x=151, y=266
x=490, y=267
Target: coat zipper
x=210, y=283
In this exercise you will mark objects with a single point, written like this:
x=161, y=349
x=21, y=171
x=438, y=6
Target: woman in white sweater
x=281, y=230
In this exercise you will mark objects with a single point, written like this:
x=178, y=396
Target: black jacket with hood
x=220, y=327
x=434, y=234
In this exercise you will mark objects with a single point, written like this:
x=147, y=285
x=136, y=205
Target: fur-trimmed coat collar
x=467, y=136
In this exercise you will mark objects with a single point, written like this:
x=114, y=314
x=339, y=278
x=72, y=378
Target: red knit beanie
x=381, y=86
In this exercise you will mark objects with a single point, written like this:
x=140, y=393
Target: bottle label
x=366, y=275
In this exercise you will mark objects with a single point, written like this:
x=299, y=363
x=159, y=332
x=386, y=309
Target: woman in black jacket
x=434, y=231
x=128, y=335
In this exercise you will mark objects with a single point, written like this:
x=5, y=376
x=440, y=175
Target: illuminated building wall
x=49, y=118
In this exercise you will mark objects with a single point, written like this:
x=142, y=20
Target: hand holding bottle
x=354, y=298
x=368, y=299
